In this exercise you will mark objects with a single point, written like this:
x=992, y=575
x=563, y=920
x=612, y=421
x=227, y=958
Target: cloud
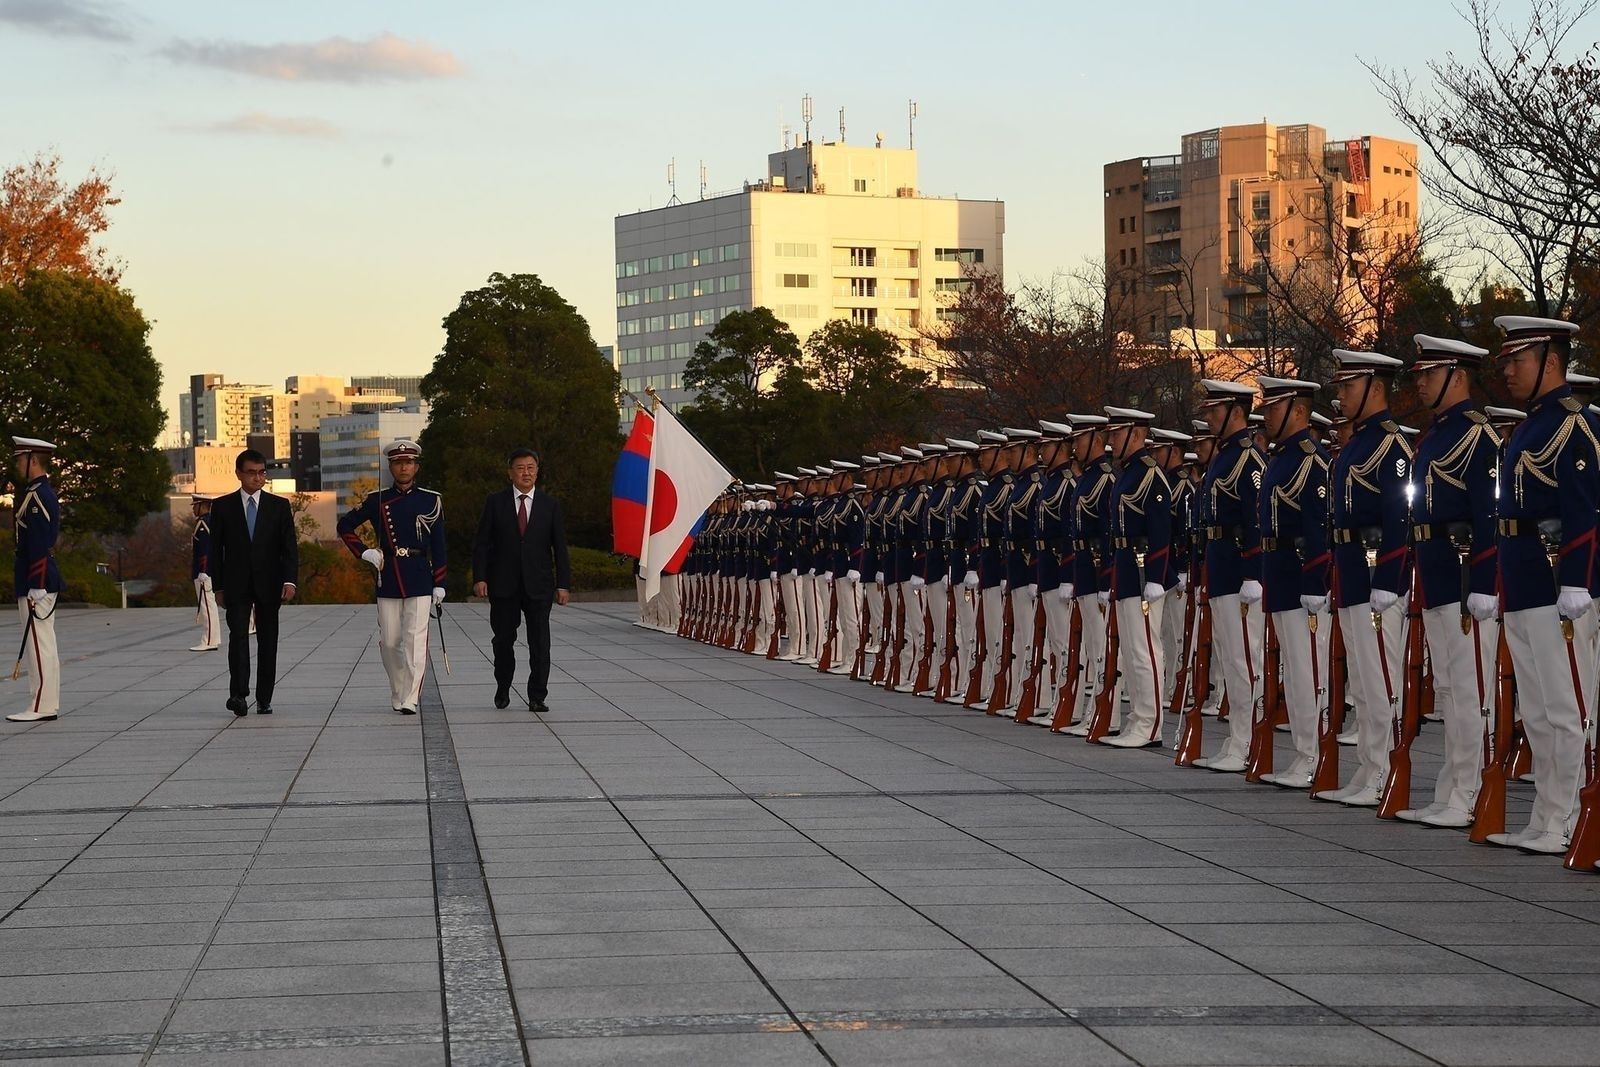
x=334, y=59
x=257, y=122
x=68, y=18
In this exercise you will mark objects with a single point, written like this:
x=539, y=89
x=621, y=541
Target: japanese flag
x=684, y=480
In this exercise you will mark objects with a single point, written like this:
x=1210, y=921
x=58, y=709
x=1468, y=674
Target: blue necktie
x=250, y=515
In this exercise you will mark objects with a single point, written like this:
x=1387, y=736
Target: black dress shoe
x=263, y=709
x=502, y=698
x=237, y=705
x=538, y=707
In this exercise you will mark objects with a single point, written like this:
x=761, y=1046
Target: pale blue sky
x=295, y=206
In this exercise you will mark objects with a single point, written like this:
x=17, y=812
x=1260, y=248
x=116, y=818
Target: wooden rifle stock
x=825, y=657
x=1259, y=762
x=1067, y=701
x=1000, y=691
x=923, y=680
x=1100, y=725
x=880, y=662
x=778, y=619
x=1325, y=778
x=1584, y=849
x=980, y=654
x=859, y=664
x=1030, y=687
x=893, y=681
x=1395, y=795
x=1489, y=812
x=1192, y=733
x=947, y=665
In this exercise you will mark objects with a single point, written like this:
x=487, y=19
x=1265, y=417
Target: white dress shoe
x=789, y=657
x=1512, y=840
x=1340, y=793
x=202, y=648
x=1349, y=737
x=1226, y=764
x=1131, y=741
x=1449, y=818
x=1418, y=814
x=1044, y=718
x=1202, y=762
x=1290, y=779
x=1545, y=844
x=903, y=687
x=30, y=716
x=839, y=668
x=1077, y=729
x=955, y=698
x=1362, y=798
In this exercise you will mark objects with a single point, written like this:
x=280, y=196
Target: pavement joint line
x=480, y=1015
x=244, y=874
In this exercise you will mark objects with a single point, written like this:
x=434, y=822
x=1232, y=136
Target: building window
x=678, y=321
x=1122, y=256
x=863, y=287
x=792, y=250
x=728, y=253
x=1133, y=256
x=1261, y=206
x=958, y=255
x=863, y=257
x=797, y=281
x=864, y=316
x=952, y=285
x=1122, y=225
x=861, y=185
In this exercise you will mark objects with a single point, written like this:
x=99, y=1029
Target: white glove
x=1153, y=592
x=794, y=573
x=1250, y=591
x=878, y=577
x=827, y=576
x=1482, y=606
x=917, y=582
x=853, y=575
x=1065, y=589
x=1313, y=604
x=1573, y=602
x=204, y=580
x=773, y=575
x=1033, y=590
x=1183, y=581
x=374, y=557
x=36, y=595
x=438, y=596
x=1383, y=600
x=1105, y=596
x=970, y=580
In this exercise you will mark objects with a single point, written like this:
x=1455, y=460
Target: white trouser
x=1304, y=658
x=1140, y=659
x=806, y=590
x=818, y=626
x=911, y=651
x=873, y=597
x=794, y=620
x=1463, y=686
x=209, y=618
x=1058, y=643
x=769, y=615
x=994, y=629
x=1022, y=609
x=1550, y=714
x=39, y=658
x=1177, y=606
x=403, y=640
x=1091, y=655
x=671, y=613
x=967, y=636
x=849, y=639
x=937, y=597
x=1236, y=662
x=1380, y=692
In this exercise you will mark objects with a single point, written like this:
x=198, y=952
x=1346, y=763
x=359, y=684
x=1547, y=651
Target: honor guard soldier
x=849, y=539
x=1227, y=505
x=1198, y=462
x=206, y=614
x=1549, y=483
x=1088, y=527
x=1142, y=572
x=1295, y=562
x=1166, y=447
x=37, y=581
x=764, y=554
x=896, y=475
x=408, y=522
x=964, y=509
x=986, y=544
x=876, y=477
x=1021, y=580
x=1052, y=565
x=936, y=589
x=788, y=555
x=1368, y=508
x=1453, y=544
x=906, y=529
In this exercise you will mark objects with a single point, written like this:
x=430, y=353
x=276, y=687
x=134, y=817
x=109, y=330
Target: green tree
x=519, y=368
x=741, y=374
x=78, y=371
x=873, y=398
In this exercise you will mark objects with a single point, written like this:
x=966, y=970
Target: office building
x=351, y=448
x=832, y=231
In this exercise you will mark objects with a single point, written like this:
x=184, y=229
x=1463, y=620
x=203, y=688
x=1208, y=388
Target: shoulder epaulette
x=1307, y=447
x=1390, y=426
x=1572, y=404
x=1149, y=461
x=1477, y=417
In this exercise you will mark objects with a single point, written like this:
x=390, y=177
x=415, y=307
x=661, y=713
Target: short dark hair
x=1562, y=346
x=249, y=455
x=521, y=453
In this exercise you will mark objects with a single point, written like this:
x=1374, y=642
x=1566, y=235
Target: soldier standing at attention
x=37, y=581
x=205, y=600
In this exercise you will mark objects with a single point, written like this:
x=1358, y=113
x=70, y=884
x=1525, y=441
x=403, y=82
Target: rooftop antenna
x=783, y=129
x=805, y=115
x=841, y=125
x=672, y=181
x=911, y=125
x=702, y=179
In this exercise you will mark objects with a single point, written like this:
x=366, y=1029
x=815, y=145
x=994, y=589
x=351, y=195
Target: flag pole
x=649, y=493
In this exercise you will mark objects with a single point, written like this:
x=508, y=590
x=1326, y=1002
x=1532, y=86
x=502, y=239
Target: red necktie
x=522, y=514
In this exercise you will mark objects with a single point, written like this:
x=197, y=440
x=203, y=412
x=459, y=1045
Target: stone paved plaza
x=703, y=858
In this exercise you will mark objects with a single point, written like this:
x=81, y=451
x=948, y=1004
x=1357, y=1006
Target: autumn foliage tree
x=49, y=224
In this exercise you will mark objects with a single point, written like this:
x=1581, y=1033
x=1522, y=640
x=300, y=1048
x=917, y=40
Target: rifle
x=1584, y=850
x=1190, y=736
x=864, y=632
x=893, y=681
x=1396, y=793
x=27, y=632
x=922, y=682
x=980, y=654
x=831, y=626
x=886, y=624
x=754, y=617
x=1030, y=687
x=1180, y=682
x=1259, y=761
x=778, y=619
x=1326, y=776
x=1067, y=702
x=947, y=665
x=1100, y=725
x=1489, y=813
x=1000, y=690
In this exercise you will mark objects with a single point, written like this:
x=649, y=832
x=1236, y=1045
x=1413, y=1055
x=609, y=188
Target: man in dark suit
x=520, y=537
x=253, y=565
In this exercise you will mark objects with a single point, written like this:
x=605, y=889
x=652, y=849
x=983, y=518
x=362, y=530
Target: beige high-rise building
x=1204, y=239
x=834, y=231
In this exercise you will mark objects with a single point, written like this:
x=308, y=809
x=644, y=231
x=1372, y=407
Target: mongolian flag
x=630, y=483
